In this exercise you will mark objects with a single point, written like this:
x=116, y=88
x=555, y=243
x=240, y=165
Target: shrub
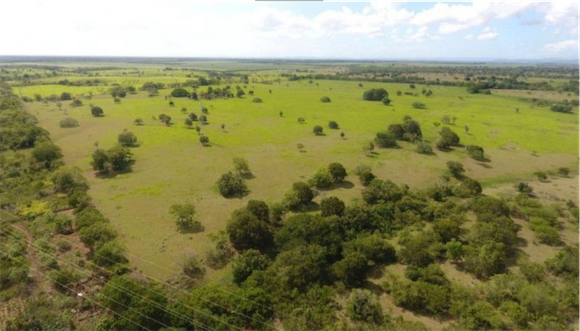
x=337, y=172
x=97, y=111
x=455, y=168
x=257, y=100
x=63, y=246
x=364, y=174
x=63, y=224
x=385, y=139
x=375, y=94
x=563, y=171
x=424, y=148
x=127, y=139
x=476, y=152
x=245, y=264
x=332, y=206
x=333, y=125
x=76, y=103
x=317, y=130
x=204, y=140
x=179, y=93
x=363, y=306
x=231, y=185
x=321, y=179
x=419, y=105
x=69, y=122
x=325, y=99
x=191, y=267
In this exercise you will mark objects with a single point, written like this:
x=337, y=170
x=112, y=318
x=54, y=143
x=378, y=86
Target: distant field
x=172, y=167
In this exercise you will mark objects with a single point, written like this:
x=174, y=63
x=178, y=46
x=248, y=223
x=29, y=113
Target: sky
x=310, y=30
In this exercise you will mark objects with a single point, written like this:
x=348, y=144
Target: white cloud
x=487, y=34
x=562, y=46
x=457, y=17
x=563, y=13
x=468, y=37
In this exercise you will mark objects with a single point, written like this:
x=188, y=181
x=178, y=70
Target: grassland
x=172, y=167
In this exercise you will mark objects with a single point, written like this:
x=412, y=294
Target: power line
x=94, y=301
x=194, y=322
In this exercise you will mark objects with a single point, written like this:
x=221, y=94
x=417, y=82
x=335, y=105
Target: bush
x=419, y=105
x=333, y=125
x=364, y=174
x=63, y=246
x=76, y=103
x=424, y=148
x=547, y=235
x=385, y=139
x=69, y=122
x=127, y=139
x=455, y=168
x=184, y=218
x=97, y=111
x=231, y=185
x=476, y=152
x=375, y=94
x=63, y=225
x=325, y=99
x=257, y=100
x=321, y=179
x=563, y=171
x=317, y=130
x=337, y=172
x=332, y=206
x=363, y=306
x=179, y=93
x=352, y=269
x=204, y=140
x=246, y=231
x=248, y=262
x=191, y=267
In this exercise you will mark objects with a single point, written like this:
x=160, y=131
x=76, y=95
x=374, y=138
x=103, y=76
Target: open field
x=172, y=167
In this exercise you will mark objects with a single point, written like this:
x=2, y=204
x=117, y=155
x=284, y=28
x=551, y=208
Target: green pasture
x=172, y=167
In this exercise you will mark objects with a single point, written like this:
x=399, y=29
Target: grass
x=172, y=167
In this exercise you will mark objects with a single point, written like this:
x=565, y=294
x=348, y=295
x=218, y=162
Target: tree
x=454, y=250
x=397, y=131
x=455, y=168
x=138, y=121
x=331, y=206
x=65, y=96
x=325, y=99
x=352, y=269
x=337, y=172
x=476, y=152
x=333, y=125
x=260, y=209
x=246, y=231
x=97, y=111
x=180, y=93
x=447, y=138
x=192, y=116
x=424, y=148
x=127, y=139
x=188, y=123
x=281, y=114
x=184, y=218
x=68, y=180
x=305, y=194
x=471, y=186
x=342, y=135
x=46, y=153
x=317, y=130
x=363, y=306
x=241, y=166
x=375, y=94
x=204, y=140
x=486, y=260
x=100, y=161
x=321, y=179
x=120, y=158
x=76, y=103
x=381, y=191
x=386, y=101
x=246, y=263
x=419, y=105
x=364, y=174
x=231, y=185
x=542, y=176
x=301, y=120
x=373, y=246
x=385, y=139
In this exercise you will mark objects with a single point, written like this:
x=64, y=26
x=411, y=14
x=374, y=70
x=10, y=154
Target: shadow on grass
x=312, y=206
x=112, y=174
x=486, y=166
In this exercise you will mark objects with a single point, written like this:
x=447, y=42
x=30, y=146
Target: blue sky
x=331, y=30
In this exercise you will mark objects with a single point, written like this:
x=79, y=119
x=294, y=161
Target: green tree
x=246, y=231
x=246, y=263
x=337, y=172
x=363, y=306
x=127, y=139
x=231, y=185
x=97, y=111
x=184, y=218
x=120, y=158
x=364, y=174
x=46, y=153
x=332, y=206
x=455, y=250
x=321, y=179
x=455, y=168
x=385, y=139
x=317, y=130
